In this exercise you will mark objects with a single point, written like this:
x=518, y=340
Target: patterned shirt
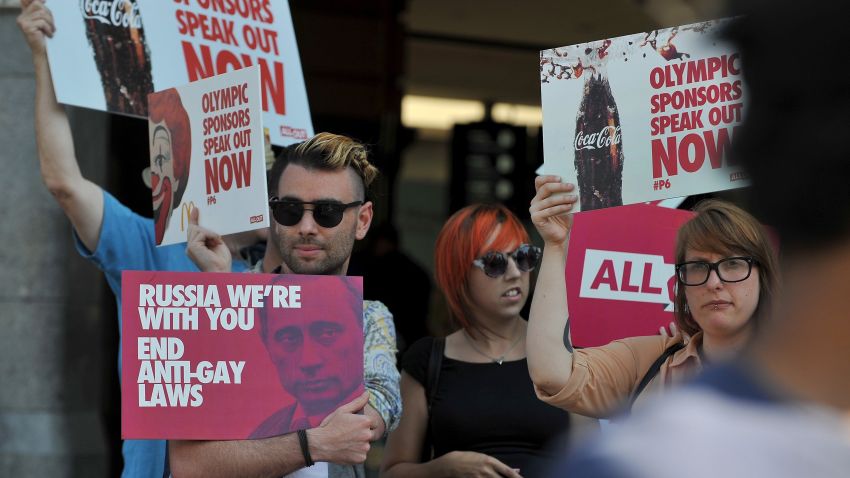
x=379, y=367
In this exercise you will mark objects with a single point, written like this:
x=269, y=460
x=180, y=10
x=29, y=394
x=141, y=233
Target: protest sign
x=207, y=152
x=213, y=356
x=621, y=283
x=99, y=57
x=110, y=54
x=643, y=117
x=197, y=39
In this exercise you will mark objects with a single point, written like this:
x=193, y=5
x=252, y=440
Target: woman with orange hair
x=469, y=404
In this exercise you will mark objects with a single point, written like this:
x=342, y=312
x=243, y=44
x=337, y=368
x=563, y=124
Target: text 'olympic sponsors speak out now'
x=643, y=117
x=111, y=54
x=207, y=152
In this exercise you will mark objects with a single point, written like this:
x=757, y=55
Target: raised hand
x=206, y=248
x=36, y=23
x=551, y=209
x=343, y=436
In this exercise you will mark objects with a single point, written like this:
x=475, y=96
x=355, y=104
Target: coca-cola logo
x=119, y=13
x=607, y=136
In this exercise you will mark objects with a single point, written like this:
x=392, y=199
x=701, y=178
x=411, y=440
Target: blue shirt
x=127, y=242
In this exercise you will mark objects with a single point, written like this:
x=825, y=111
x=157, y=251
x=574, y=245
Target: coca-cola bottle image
x=598, y=145
x=115, y=33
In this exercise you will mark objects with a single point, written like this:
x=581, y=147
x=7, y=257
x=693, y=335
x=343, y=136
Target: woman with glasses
x=727, y=275
x=469, y=404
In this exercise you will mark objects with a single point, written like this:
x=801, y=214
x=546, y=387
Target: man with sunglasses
x=320, y=209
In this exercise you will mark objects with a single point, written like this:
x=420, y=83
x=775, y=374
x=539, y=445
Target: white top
x=318, y=470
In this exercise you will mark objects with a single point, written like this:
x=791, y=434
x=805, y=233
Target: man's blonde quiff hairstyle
x=327, y=152
x=338, y=152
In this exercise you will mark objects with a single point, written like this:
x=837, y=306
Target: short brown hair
x=724, y=228
x=325, y=151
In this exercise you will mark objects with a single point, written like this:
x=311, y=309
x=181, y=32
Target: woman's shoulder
x=649, y=345
x=420, y=347
x=416, y=358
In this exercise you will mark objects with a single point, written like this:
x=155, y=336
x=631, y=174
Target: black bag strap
x=435, y=362
x=653, y=371
x=432, y=377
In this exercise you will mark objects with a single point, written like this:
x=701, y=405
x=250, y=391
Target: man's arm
x=270, y=457
x=342, y=438
x=380, y=373
x=81, y=199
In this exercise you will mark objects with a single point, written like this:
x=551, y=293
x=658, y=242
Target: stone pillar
x=51, y=313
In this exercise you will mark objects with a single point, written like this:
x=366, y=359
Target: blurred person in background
x=394, y=278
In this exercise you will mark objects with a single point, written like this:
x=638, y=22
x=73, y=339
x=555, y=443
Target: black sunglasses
x=288, y=212
x=494, y=264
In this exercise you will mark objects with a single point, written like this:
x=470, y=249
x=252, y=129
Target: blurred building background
x=446, y=93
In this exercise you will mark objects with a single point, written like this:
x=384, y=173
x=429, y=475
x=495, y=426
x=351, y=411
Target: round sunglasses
x=288, y=212
x=495, y=264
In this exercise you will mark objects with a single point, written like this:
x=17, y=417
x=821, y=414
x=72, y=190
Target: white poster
x=110, y=54
x=207, y=152
x=643, y=117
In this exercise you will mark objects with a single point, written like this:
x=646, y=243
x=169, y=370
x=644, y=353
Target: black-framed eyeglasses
x=730, y=269
x=288, y=212
x=494, y=264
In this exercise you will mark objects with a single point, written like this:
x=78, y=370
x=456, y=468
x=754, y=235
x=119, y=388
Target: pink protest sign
x=233, y=356
x=620, y=272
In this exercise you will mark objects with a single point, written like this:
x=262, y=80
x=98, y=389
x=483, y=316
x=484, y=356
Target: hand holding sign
x=551, y=209
x=36, y=22
x=344, y=435
x=674, y=331
x=206, y=248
